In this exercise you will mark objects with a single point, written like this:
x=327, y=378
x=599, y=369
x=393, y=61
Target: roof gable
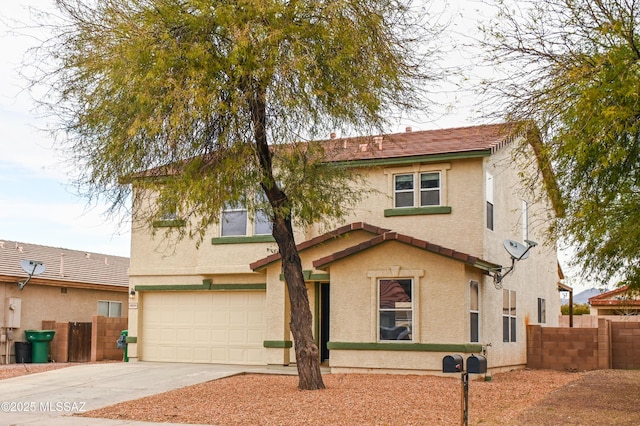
x=405, y=239
x=343, y=230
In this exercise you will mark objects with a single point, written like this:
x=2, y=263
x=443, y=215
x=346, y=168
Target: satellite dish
x=516, y=250
x=31, y=267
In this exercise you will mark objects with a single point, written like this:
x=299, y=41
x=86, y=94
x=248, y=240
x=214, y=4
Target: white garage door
x=203, y=326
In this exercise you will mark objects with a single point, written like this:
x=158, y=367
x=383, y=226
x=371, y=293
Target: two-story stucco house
x=406, y=280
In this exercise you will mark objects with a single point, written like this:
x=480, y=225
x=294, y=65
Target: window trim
x=476, y=284
x=250, y=226
x=525, y=220
x=509, y=329
x=394, y=272
x=109, y=304
x=379, y=310
x=416, y=170
x=490, y=211
x=542, y=310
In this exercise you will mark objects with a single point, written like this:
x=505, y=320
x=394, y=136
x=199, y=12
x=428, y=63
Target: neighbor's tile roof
x=485, y=138
x=415, y=242
x=617, y=297
x=63, y=265
x=357, y=226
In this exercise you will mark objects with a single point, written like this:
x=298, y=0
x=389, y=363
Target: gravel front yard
x=524, y=397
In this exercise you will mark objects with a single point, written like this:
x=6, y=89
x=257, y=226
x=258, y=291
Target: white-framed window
x=416, y=189
x=542, y=311
x=474, y=312
x=235, y=221
x=489, y=199
x=395, y=309
x=108, y=308
x=525, y=220
x=509, y=323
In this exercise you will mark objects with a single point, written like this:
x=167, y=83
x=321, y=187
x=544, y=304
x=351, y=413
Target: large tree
x=572, y=68
x=216, y=96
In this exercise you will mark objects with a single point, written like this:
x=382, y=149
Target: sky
x=38, y=203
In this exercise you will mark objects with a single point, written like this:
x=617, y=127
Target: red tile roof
x=481, y=139
x=485, y=138
x=357, y=226
x=617, y=297
x=381, y=235
x=415, y=242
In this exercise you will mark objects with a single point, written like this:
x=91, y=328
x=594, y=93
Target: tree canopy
x=572, y=68
x=204, y=102
x=142, y=84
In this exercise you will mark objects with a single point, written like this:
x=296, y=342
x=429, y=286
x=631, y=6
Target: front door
x=324, y=321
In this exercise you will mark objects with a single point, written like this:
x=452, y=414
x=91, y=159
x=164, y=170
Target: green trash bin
x=122, y=344
x=39, y=344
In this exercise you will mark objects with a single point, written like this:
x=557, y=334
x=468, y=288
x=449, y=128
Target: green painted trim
x=278, y=344
x=231, y=287
x=131, y=339
x=416, y=159
x=421, y=347
x=243, y=239
x=206, y=285
x=308, y=276
x=316, y=313
x=411, y=211
x=173, y=223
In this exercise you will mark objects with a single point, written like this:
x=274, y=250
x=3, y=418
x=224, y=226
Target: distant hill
x=582, y=297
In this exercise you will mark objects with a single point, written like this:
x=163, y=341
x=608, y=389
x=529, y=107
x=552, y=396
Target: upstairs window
x=395, y=307
x=525, y=220
x=406, y=192
x=489, y=199
x=235, y=220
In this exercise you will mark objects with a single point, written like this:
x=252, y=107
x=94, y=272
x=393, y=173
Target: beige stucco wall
x=444, y=296
x=533, y=278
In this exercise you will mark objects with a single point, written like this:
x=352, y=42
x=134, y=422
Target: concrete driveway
x=52, y=397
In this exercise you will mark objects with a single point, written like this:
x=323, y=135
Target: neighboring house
x=74, y=287
x=406, y=280
x=616, y=302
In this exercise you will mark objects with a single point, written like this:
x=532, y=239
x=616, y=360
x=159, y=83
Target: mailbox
x=476, y=364
x=452, y=364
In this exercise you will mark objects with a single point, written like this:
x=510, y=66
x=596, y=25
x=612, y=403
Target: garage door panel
x=208, y=327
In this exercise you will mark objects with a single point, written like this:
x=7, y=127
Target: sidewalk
x=52, y=397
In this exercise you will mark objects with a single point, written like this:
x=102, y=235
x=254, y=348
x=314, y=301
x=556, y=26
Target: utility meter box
x=452, y=364
x=13, y=309
x=476, y=364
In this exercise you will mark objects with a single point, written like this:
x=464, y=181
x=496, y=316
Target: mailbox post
x=476, y=364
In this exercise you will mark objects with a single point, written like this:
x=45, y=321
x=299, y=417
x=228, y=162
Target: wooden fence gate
x=79, y=342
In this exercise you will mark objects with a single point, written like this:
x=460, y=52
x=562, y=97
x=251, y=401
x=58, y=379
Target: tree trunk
x=307, y=353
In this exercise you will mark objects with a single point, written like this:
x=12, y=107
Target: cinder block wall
x=59, y=346
x=104, y=336
x=625, y=345
x=572, y=349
